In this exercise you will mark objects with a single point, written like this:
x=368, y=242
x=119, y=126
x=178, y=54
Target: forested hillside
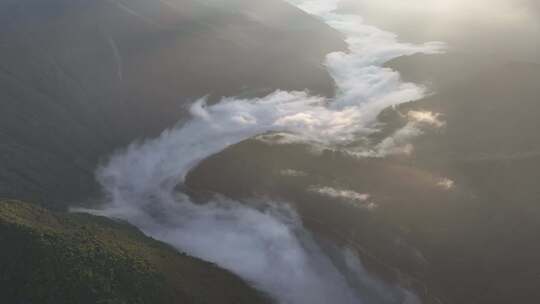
x=74, y=258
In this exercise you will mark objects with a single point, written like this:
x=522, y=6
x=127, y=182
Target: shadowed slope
x=79, y=79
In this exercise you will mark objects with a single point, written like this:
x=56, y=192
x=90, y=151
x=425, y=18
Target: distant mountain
x=81, y=78
x=72, y=258
x=505, y=28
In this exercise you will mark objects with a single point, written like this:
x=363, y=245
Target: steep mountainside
x=81, y=78
x=70, y=258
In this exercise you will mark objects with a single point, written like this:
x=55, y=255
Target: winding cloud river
x=267, y=246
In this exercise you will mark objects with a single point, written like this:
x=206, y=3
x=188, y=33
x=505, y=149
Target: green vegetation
x=74, y=258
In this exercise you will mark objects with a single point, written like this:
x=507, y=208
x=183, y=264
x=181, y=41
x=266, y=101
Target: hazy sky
x=509, y=27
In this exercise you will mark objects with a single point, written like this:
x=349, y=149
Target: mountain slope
x=73, y=258
x=81, y=78
x=456, y=220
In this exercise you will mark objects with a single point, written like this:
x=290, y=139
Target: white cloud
x=361, y=200
x=268, y=247
x=446, y=183
x=426, y=117
x=400, y=142
x=293, y=173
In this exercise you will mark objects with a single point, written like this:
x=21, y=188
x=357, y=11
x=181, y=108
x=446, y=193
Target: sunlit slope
x=456, y=220
x=59, y=258
x=81, y=78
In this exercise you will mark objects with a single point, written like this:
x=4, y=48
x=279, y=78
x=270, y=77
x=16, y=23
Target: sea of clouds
x=264, y=242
